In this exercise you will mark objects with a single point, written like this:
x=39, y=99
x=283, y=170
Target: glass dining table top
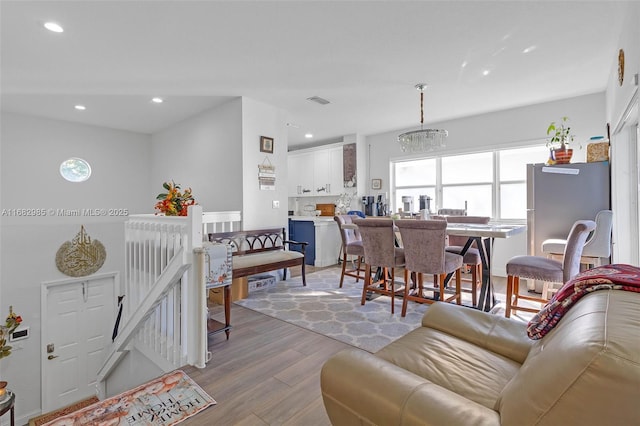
x=490, y=230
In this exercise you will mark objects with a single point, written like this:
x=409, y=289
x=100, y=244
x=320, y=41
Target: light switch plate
x=275, y=204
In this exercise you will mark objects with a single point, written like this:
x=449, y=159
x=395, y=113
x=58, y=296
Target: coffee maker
x=407, y=204
x=425, y=203
x=369, y=205
x=381, y=205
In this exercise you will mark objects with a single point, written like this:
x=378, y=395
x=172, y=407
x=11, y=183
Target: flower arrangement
x=174, y=202
x=11, y=323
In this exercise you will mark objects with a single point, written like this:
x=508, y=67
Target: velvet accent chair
x=472, y=256
x=545, y=269
x=424, y=250
x=351, y=245
x=378, y=239
x=597, y=247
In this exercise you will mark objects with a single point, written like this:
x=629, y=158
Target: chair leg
x=344, y=267
x=507, y=312
x=406, y=292
x=358, y=268
x=367, y=281
x=459, y=287
x=476, y=272
x=441, y=283
x=393, y=290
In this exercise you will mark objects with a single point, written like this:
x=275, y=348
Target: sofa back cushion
x=586, y=371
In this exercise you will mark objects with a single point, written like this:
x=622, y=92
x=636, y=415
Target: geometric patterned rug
x=336, y=312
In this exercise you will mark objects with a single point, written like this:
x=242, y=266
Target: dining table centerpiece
x=174, y=202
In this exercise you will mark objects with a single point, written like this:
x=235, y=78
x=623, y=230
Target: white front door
x=77, y=322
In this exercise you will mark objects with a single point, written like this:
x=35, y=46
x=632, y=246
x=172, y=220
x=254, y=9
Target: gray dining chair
x=472, y=257
x=378, y=239
x=545, y=269
x=597, y=247
x=351, y=246
x=424, y=252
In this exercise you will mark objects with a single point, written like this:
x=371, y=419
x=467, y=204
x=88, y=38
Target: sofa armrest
x=360, y=388
x=504, y=336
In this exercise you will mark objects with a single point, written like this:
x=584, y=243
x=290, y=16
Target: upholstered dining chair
x=351, y=246
x=545, y=269
x=472, y=256
x=424, y=250
x=378, y=239
x=597, y=247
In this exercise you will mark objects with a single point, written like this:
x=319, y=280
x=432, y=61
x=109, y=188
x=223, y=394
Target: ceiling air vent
x=318, y=100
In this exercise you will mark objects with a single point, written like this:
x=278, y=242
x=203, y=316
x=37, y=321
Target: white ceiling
x=363, y=56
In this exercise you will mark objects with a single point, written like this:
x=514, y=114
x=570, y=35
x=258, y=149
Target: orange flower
x=174, y=202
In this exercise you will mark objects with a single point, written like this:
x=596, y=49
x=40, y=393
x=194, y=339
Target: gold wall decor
x=81, y=256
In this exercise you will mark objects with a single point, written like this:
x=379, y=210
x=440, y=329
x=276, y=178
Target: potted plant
x=560, y=137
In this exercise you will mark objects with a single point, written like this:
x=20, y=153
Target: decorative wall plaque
x=81, y=256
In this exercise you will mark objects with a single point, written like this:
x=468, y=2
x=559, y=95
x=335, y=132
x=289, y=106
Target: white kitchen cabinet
x=301, y=174
x=316, y=173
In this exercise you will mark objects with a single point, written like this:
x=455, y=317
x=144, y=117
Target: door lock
x=50, y=348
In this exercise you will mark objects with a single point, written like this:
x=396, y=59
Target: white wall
x=203, y=152
x=618, y=97
x=31, y=152
x=259, y=119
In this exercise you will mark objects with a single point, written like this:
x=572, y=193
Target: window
x=75, y=170
x=467, y=183
x=490, y=183
x=415, y=178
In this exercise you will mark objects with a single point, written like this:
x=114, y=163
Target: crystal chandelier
x=422, y=140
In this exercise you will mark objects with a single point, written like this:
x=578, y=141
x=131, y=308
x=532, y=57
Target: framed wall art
x=266, y=144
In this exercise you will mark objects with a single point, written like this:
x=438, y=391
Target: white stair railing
x=165, y=305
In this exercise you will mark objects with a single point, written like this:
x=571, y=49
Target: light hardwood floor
x=267, y=373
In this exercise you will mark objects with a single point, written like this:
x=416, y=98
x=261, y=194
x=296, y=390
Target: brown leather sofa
x=466, y=367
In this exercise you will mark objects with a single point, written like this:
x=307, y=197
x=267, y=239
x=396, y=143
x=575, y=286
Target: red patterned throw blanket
x=615, y=277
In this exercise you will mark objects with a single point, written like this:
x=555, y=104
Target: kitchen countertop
x=316, y=219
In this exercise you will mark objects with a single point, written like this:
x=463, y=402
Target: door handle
x=50, y=357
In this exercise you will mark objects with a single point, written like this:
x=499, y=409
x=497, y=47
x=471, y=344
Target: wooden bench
x=262, y=250
x=255, y=252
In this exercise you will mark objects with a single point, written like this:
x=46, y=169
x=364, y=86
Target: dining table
x=484, y=236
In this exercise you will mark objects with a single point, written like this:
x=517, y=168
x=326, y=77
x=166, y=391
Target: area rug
x=47, y=417
x=165, y=401
x=336, y=312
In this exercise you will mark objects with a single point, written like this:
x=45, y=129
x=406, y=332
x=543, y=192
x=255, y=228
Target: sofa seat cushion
x=264, y=258
x=452, y=363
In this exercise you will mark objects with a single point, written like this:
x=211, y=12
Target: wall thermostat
x=19, y=334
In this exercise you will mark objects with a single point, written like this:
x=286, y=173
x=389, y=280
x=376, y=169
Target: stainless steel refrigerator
x=559, y=195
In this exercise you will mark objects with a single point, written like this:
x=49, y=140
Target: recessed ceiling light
x=52, y=26
x=157, y=100
x=486, y=72
x=318, y=100
x=464, y=64
x=530, y=49
x=308, y=135
x=80, y=107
